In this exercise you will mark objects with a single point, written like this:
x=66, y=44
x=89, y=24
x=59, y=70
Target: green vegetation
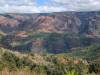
x=72, y=72
x=90, y=53
x=57, y=59
x=51, y=42
x=78, y=62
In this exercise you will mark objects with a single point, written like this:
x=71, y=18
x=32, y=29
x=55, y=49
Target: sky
x=44, y=6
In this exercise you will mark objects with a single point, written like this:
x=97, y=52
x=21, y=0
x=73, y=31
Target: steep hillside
x=73, y=22
x=49, y=32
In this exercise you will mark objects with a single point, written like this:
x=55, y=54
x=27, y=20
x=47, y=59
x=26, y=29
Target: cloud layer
x=79, y=5
x=35, y=6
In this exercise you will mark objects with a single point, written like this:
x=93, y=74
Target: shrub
x=72, y=72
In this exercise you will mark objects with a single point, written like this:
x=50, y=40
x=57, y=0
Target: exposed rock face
x=46, y=23
x=73, y=22
x=77, y=24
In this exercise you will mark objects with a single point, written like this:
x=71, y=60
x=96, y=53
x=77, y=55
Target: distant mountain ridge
x=53, y=32
x=69, y=22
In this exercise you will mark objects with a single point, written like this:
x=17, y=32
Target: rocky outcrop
x=73, y=22
x=64, y=30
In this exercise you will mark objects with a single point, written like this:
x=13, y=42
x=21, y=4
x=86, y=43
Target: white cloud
x=80, y=5
x=51, y=9
x=27, y=6
x=30, y=9
x=16, y=2
x=30, y=6
x=19, y=9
